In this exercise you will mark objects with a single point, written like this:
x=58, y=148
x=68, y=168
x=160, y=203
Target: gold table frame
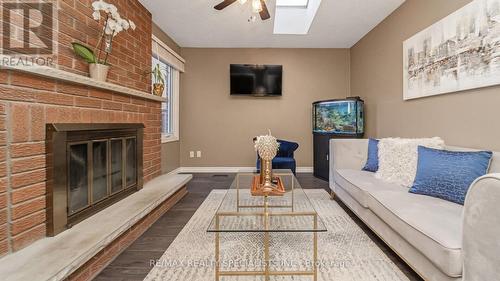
x=267, y=273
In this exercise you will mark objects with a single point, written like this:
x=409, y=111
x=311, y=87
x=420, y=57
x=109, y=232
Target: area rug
x=345, y=252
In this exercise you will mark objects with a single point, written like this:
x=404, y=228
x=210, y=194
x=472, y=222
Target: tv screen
x=256, y=80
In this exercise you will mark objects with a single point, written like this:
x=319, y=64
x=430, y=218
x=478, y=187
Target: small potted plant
x=112, y=25
x=158, y=80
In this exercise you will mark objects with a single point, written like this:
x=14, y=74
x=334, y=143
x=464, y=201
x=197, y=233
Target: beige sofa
x=440, y=240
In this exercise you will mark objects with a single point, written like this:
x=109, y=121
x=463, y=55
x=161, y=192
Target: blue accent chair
x=284, y=158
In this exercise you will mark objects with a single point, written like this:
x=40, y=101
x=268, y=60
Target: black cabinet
x=321, y=156
x=322, y=153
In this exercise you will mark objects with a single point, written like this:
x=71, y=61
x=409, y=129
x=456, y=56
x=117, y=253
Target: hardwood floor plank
x=122, y=274
x=152, y=243
x=136, y=259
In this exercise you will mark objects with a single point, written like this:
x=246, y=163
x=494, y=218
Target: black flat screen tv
x=256, y=80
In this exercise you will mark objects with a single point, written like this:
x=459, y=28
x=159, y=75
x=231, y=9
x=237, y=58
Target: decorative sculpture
x=265, y=184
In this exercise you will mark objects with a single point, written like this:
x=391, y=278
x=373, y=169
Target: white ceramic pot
x=98, y=71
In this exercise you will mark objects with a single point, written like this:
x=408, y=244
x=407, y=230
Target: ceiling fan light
x=256, y=6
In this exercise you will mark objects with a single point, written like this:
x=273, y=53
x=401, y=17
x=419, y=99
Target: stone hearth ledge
x=55, y=258
x=61, y=75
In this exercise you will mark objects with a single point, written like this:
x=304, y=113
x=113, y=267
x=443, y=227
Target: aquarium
x=339, y=117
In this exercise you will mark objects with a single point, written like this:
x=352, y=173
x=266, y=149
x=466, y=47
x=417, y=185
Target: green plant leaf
x=84, y=52
x=158, y=74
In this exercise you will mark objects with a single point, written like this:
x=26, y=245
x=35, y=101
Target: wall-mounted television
x=256, y=80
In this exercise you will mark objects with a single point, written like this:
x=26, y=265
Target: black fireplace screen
x=94, y=165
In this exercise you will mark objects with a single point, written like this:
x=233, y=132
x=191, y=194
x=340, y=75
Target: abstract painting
x=460, y=52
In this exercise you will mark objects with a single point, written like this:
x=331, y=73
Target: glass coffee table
x=240, y=212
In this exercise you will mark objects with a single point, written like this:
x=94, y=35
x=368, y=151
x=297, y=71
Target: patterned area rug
x=345, y=252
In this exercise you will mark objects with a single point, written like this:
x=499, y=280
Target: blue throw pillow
x=448, y=174
x=372, y=161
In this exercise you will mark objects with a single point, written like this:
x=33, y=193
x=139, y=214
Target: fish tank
x=339, y=117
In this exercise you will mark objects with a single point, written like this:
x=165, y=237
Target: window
x=171, y=65
x=167, y=128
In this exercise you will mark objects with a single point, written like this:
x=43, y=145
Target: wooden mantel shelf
x=62, y=75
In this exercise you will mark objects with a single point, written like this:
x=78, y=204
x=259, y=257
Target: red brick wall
x=29, y=102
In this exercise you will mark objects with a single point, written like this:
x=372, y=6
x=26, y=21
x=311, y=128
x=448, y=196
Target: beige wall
x=468, y=118
x=169, y=151
x=222, y=126
x=165, y=38
x=170, y=156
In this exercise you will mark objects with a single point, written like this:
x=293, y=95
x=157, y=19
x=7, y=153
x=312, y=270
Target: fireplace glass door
x=78, y=177
x=99, y=170
x=116, y=165
x=130, y=168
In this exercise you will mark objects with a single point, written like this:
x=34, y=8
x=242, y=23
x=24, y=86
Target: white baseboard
x=305, y=169
x=229, y=169
x=216, y=169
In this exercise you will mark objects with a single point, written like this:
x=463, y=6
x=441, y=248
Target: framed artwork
x=460, y=52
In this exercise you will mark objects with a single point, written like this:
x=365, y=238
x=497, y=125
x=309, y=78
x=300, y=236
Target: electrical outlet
x=198, y=154
x=191, y=154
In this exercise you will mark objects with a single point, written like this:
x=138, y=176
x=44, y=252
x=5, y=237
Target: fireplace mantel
x=61, y=75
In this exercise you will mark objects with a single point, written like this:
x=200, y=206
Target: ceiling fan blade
x=264, y=14
x=224, y=4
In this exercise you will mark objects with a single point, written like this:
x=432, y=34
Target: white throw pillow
x=398, y=158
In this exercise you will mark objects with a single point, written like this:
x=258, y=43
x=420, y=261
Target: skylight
x=292, y=3
x=295, y=16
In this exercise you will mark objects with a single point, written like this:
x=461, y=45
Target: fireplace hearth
x=89, y=167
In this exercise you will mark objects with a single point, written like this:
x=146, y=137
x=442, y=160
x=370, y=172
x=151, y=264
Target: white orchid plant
x=113, y=24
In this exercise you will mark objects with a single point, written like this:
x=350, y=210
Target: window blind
x=166, y=54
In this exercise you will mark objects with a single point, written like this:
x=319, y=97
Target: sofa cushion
x=397, y=158
x=431, y=225
x=359, y=184
x=448, y=174
x=372, y=161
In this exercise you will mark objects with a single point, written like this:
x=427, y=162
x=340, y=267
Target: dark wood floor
x=134, y=262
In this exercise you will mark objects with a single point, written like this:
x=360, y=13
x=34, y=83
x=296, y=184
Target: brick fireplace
x=29, y=102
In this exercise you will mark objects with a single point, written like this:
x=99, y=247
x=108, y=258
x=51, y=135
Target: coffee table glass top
x=239, y=211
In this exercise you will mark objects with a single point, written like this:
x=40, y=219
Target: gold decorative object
x=267, y=185
x=158, y=89
x=258, y=190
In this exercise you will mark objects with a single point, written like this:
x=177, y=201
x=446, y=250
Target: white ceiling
x=194, y=23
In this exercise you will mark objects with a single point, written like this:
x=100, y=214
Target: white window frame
x=175, y=135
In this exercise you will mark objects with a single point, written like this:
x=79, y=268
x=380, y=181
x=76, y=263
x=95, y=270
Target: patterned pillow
x=372, y=160
x=448, y=174
x=397, y=158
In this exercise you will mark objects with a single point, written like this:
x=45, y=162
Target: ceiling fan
x=258, y=6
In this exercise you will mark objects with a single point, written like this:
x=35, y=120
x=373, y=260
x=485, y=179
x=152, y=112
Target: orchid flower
x=113, y=25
